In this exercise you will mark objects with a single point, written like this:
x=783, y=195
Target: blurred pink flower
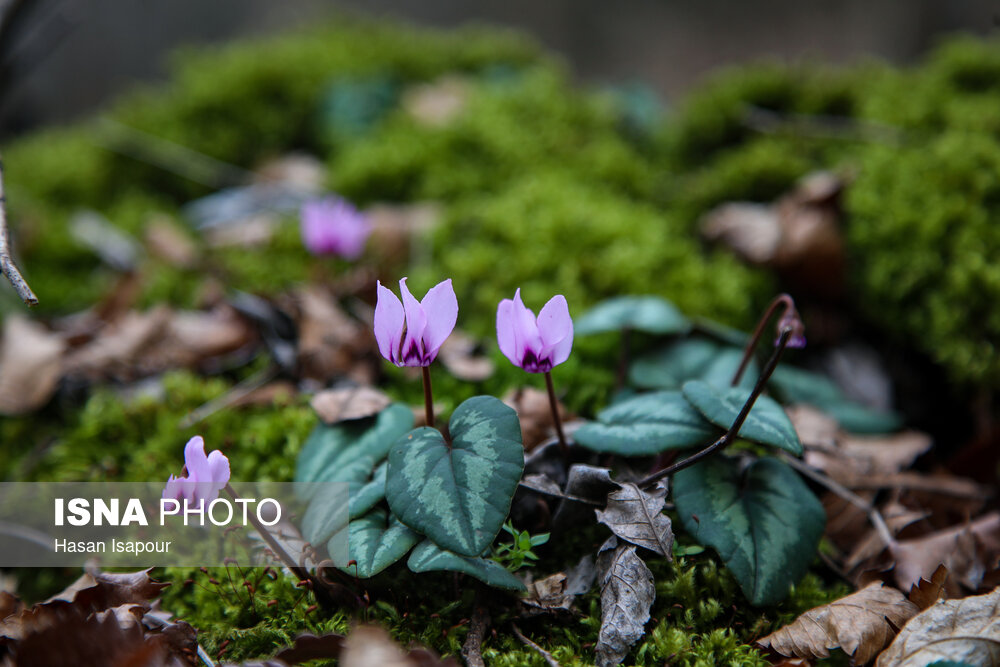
x=206, y=475
x=536, y=345
x=332, y=226
x=410, y=333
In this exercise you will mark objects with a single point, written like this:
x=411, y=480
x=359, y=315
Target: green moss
x=925, y=232
x=550, y=232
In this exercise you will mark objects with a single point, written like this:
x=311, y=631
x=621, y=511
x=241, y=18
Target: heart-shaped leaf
x=764, y=521
x=375, y=542
x=767, y=423
x=348, y=451
x=692, y=359
x=459, y=494
x=370, y=494
x=428, y=557
x=646, y=424
x=651, y=314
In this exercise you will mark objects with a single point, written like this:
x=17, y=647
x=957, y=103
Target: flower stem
x=554, y=404
x=276, y=548
x=729, y=435
x=780, y=300
x=428, y=397
x=624, y=356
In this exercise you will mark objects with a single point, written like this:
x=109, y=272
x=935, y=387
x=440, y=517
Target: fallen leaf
x=968, y=551
x=750, y=230
x=897, y=517
x=535, y=414
x=371, y=646
x=297, y=171
x=312, y=647
x=166, y=240
x=926, y=592
x=437, y=103
x=636, y=516
x=588, y=483
x=627, y=594
x=336, y=405
x=548, y=594
x=460, y=355
x=112, y=244
x=964, y=631
x=329, y=340
x=30, y=365
x=861, y=624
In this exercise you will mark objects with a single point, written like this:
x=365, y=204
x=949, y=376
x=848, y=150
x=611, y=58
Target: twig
x=10, y=269
x=527, y=642
x=239, y=391
x=731, y=434
x=873, y=514
x=472, y=649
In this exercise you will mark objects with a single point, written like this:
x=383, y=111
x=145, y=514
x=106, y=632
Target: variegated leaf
x=375, y=542
x=428, y=557
x=764, y=521
x=767, y=423
x=458, y=495
x=646, y=424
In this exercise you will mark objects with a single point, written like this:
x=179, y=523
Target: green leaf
x=692, y=359
x=650, y=314
x=375, y=542
x=428, y=557
x=646, y=424
x=459, y=495
x=764, y=522
x=348, y=451
x=859, y=419
x=795, y=385
x=767, y=423
x=369, y=495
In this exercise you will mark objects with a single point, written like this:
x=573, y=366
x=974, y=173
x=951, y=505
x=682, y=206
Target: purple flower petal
x=440, y=306
x=389, y=319
x=333, y=226
x=556, y=329
x=196, y=461
x=416, y=321
x=527, y=341
x=505, y=331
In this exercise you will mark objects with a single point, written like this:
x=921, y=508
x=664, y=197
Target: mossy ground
x=545, y=187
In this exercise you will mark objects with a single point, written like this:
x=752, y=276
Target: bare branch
x=10, y=269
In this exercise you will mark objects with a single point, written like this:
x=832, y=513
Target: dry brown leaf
x=815, y=428
x=397, y=231
x=30, y=365
x=861, y=624
x=627, y=594
x=548, y=594
x=437, y=103
x=965, y=631
x=636, y=515
x=968, y=551
x=114, y=352
x=166, y=240
x=535, y=414
x=251, y=232
x=752, y=231
x=897, y=517
x=371, y=646
x=330, y=341
x=336, y=405
x=855, y=458
x=926, y=592
x=460, y=357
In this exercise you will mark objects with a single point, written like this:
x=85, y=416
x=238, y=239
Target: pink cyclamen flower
x=536, y=345
x=410, y=333
x=206, y=475
x=332, y=226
